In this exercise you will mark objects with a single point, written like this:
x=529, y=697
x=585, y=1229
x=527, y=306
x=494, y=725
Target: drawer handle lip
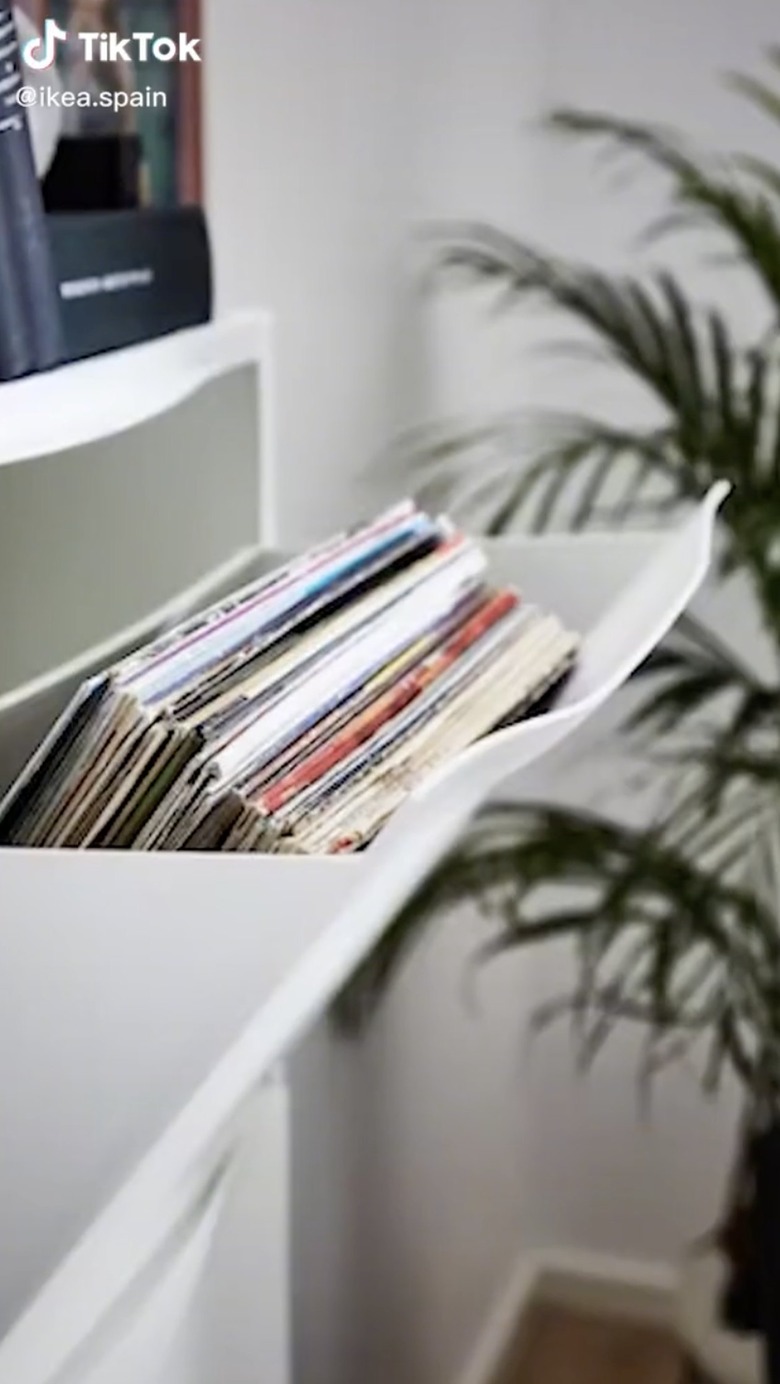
x=201, y=1216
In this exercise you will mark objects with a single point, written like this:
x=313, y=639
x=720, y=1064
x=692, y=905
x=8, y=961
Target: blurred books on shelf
x=31, y=335
x=297, y=715
x=103, y=237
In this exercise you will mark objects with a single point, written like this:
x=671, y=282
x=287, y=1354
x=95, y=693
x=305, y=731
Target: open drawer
x=108, y=960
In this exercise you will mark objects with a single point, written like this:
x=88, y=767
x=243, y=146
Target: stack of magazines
x=296, y=716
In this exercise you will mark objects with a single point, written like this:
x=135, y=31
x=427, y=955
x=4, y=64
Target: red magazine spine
x=389, y=705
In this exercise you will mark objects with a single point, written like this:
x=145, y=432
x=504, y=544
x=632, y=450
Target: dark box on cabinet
x=126, y=277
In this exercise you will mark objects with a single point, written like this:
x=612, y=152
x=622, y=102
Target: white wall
x=309, y=130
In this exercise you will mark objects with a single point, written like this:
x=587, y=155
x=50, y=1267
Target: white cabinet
x=149, y=1003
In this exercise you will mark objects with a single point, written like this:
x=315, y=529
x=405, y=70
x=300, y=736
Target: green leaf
x=681, y=697
x=760, y=170
x=764, y=97
x=701, y=195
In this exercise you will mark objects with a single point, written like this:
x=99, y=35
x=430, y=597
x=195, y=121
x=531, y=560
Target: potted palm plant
x=677, y=921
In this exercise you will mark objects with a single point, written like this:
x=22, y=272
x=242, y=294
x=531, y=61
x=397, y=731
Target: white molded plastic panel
x=144, y=471
x=205, y=1293
x=284, y=934
x=95, y=399
x=152, y=1333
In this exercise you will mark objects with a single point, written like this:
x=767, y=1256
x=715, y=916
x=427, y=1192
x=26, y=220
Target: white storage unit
x=170, y=1138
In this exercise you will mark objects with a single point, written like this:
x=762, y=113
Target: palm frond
x=694, y=671
x=720, y=402
x=649, y=335
x=764, y=97
x=682, y=696
x=662, y=940
x=700, y=194
x=570, y=476
x=702, y=637
x=674, y=923
x=650, y=329
x=760, y=170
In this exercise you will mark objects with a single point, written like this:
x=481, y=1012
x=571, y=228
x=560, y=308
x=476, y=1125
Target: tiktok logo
x=40, y=53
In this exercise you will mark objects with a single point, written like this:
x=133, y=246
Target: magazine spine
x=389, y=706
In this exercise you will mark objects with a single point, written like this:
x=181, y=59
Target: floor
x=560, y=1346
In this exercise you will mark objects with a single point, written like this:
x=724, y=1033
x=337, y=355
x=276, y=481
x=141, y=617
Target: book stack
x=298, y=715
x=30, y=315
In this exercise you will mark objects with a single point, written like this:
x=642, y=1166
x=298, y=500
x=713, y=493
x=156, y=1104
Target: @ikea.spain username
x=52, y=98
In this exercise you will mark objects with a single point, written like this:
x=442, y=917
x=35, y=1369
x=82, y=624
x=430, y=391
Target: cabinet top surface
x=94, y=399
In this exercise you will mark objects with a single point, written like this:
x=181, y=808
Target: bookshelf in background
x=31, y=327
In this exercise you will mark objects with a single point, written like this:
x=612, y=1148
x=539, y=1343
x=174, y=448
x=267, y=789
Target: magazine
x=297, y=714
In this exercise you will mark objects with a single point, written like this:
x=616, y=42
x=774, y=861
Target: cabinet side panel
x=93, y=539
